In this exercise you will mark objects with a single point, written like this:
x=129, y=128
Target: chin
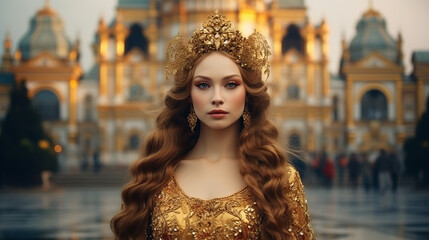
x=222, y=126
x=218, y=127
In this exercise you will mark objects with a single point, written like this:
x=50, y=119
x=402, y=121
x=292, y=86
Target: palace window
x=335, y=109
x=409, y=108
x=88, y=102
x=134, y=142
x=293, y=39
x=136, y=39
x=293, y=92
x=47, y=104
x=137, y=93
x=374, y=106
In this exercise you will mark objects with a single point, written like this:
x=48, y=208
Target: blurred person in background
x=328, y=170
x=341, y=162
x=354, y=170
x=96, y=166
x=384, y=169
x=396, y=169
x=366, y=170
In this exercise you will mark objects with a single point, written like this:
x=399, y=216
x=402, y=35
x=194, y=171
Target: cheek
x=198, y=99
x=239, y=99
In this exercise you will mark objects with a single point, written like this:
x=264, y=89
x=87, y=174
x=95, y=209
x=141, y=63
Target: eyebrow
x=225, y=78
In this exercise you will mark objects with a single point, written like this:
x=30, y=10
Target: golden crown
x=217, y=34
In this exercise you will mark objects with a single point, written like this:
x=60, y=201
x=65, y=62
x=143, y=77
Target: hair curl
x=262, y=161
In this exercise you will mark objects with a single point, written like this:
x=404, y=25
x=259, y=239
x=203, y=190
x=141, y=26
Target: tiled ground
x=344, y=214
x=339, y=214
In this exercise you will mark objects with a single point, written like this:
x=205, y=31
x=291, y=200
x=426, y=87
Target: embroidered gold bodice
x=178, y=216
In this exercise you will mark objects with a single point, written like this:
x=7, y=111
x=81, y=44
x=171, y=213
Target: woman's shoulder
x=292, y=173
x=301, y=226
x=294, y=187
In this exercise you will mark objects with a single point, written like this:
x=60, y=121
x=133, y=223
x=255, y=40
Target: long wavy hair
x=262, y=162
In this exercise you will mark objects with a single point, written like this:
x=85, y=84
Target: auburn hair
x=262, y=161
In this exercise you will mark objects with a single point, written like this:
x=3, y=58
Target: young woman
x=212, y=168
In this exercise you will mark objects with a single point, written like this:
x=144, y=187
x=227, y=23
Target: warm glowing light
x=7, y=43
x=120, y=48
x=73, y=83
x=103, y=48
x=247, y=22
x=58, y=148
x=43, y=144
x=18, y=55
x=73, y=55
x=103, y=80
x=310, y=46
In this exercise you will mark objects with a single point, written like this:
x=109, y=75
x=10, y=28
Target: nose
x=217, y=102
x=217, y=97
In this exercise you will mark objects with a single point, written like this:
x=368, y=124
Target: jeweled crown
x=218, y=34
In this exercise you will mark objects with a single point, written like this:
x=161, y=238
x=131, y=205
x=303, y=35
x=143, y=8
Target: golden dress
x=178, y=216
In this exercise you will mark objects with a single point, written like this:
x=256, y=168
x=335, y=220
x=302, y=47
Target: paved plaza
x=343, y=214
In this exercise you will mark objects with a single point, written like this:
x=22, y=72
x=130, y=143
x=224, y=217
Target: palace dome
x=372, y=36
x=46, y=34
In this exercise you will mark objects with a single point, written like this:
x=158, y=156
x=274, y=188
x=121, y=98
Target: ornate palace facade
x=111, y=108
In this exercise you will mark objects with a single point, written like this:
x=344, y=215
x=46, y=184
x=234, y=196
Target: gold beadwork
x=179, y=216
x=192, y=120
x=218, y=34
x=246, y=117
x=237, y=216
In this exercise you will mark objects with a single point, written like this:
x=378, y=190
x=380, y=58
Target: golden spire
x=7, y=59
x=47, y=10
x=371, y=11
x=399, y=46
x=76, y=45
x=101, y=24
x=346, y=52
x=7, y=42
x=119, y=26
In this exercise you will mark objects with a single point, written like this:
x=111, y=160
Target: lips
x=217, y=113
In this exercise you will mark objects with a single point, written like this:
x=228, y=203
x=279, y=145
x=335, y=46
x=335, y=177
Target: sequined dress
x=178, y=216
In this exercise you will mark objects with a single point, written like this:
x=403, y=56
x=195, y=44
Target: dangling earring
x=246, y=117
x=192, y=119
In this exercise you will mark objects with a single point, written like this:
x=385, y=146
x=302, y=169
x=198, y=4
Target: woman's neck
x=214, y=145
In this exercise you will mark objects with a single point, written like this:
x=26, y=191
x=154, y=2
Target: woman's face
x=218, y=93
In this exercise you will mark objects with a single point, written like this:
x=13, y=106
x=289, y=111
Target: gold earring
x=192, y=119
x=246, y=117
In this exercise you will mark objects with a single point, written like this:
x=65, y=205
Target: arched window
x=374, y=106
x=137, y=93
x=88, y=108
x=136, y=39
x=48, y=105
x=134, y=142
x=294, y=141
x=293, y=39
x=293, y=92
x=335, y=108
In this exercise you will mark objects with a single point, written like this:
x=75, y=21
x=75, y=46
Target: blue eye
x=231, y=85
x=202, y=85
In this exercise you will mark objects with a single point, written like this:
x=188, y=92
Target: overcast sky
x=80, y=18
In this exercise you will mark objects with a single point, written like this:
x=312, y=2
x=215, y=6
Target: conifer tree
x=25, y=149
